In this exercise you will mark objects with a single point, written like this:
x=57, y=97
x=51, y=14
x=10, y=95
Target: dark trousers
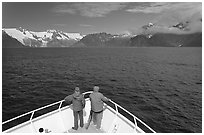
x=76, y=114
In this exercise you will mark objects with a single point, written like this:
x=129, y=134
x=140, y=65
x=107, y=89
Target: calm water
x=162, y=86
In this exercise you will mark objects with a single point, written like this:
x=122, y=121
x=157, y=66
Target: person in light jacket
x=97, y=100
x=78, y=103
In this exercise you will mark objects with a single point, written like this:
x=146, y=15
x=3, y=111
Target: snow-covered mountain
x=180, y=34
x=49, y=38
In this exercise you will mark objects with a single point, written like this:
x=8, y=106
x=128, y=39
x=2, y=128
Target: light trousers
x=97, y=118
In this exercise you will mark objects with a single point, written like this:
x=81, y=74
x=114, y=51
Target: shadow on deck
x=91, y=129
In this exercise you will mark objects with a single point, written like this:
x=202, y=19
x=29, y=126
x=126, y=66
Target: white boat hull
x=62, y=120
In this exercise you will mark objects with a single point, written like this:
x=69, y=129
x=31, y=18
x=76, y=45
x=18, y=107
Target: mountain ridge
x=49, y=38
x=54, y=38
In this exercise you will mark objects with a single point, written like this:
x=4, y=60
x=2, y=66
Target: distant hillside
x=95, y=40
x=156, y=40
x=9, y=42
x=52, y=38
x=168, y=40
x=119, y=42
x=103, y=40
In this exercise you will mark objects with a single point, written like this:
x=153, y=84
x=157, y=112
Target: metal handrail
x=61, y=101
x=32, y=112
x=135, y=118
x=116, y=105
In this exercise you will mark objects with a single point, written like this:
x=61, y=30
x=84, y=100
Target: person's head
x=77, y=90
x=95, y=88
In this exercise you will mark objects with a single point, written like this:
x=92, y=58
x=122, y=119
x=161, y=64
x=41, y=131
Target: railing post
x=116, y=108
x=59, y=109
x=116, y=115
x=60, y=105
x=31, y=117
x=135, y=123
x=31, y=122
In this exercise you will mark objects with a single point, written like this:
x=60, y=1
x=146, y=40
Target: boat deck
x=91, y=129
x=114, y=120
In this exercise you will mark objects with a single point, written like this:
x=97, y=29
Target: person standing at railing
x=97, y=100
x=78, y=103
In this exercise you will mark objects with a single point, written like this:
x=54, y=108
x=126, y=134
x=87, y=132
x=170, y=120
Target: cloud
x=60, y=24
x=89, y=9
x=190, y=28
x=85, y=25
x=164, y=29
x=180, y=12
x=64, y=9
x=169, y=14
x=148, y=7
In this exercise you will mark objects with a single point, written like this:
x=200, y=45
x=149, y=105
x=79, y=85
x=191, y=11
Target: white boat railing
x=33, y=111
x=59, y=108
x=134, y=117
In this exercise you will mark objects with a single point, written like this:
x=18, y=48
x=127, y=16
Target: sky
x=93, y=17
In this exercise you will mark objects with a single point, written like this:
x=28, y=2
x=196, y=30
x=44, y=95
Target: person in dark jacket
x=78, y=103
x=97, y=100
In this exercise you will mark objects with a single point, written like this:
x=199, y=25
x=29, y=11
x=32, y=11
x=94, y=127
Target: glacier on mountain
x=43, y=39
